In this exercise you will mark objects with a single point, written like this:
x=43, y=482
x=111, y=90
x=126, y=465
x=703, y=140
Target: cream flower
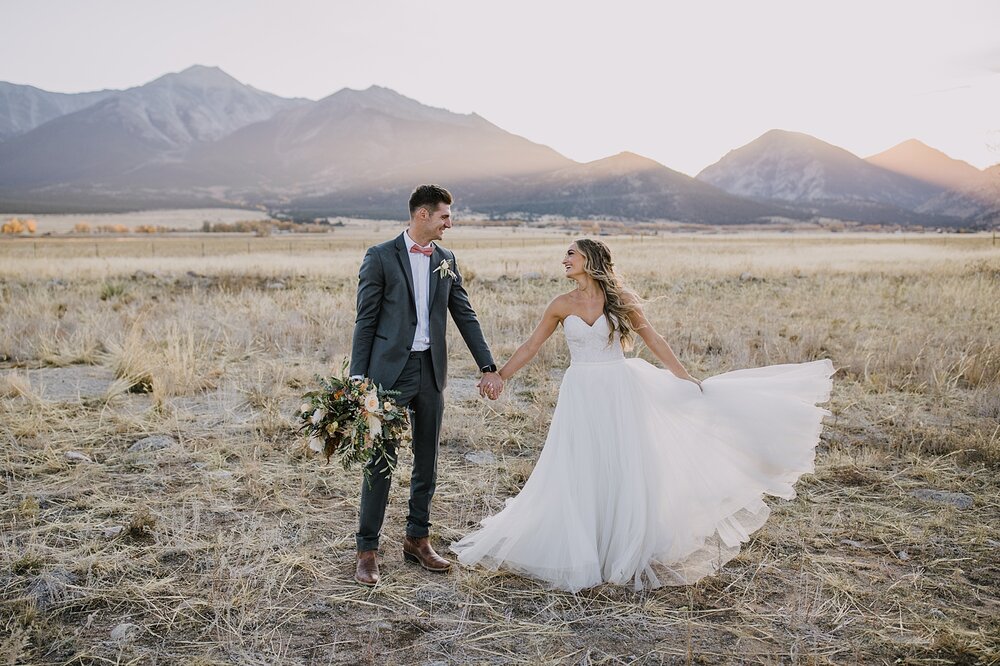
x=371, y=402
x=316, y=444
x=387, y=405
x=304, y=407
x=445, y=270
x=318, y=416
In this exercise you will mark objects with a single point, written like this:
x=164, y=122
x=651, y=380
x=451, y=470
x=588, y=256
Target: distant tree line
x=265, y=227
x=87, y=228
x=256, y=227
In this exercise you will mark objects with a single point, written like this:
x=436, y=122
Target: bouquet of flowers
x=353, y=419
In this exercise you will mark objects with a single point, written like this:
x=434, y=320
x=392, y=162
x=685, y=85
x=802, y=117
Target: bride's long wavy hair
x=599, y=266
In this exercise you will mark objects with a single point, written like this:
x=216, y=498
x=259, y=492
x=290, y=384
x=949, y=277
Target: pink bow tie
x=426, y=251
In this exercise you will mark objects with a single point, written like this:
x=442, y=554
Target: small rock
x=199, y=465
x=50, y=588
x=220, y=474
x=112, y=532
x=959, y=500
x=277, y=284
x=124, y=632
x=480, y=457
x=936, y=612
x=152, y=443
x=192, y=274
x=532, y=275
x=381, y=625
x=437, y=595
x=140, y=275
x=853, y=543
x=244, y=572
x=746, y=277
x=77, y=457
x=191, y=603
x=903, y=555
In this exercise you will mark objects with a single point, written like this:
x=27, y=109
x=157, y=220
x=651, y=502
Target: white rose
x=318, y=416
x=387, y=405
x=371, y=402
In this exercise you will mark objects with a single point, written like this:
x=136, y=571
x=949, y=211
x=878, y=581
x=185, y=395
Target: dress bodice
x=589, y=344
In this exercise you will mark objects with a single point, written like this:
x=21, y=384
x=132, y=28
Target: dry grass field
x=219, y=542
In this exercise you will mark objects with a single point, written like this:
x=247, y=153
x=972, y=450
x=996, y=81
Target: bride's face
x=573, y=262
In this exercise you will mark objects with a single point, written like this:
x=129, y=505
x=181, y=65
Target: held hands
x=490, y=386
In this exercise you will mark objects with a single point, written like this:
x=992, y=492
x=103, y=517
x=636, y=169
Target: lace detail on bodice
x=589, y=344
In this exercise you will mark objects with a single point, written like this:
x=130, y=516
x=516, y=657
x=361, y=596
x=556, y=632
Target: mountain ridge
x=200, y=135
x=814, y=175
x=24, y=107
x=917, y=160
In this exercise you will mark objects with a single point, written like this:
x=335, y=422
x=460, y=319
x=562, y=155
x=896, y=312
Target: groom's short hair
x=428, y=196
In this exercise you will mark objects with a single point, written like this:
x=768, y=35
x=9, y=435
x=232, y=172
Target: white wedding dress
x=644, y=479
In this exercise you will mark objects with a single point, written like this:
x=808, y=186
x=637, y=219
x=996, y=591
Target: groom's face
x=430, y=225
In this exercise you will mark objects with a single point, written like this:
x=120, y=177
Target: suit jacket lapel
x=403, y=255
x=436, y=260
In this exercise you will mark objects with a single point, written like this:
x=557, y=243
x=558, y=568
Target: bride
x=646, y=478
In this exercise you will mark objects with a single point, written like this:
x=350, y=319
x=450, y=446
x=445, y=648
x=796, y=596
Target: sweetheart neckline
x=585, y=321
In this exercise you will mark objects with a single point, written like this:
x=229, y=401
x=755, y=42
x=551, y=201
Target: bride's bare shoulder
x=629, y=297
x=561, y=306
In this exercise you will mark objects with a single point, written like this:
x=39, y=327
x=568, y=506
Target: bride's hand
x=696, y=382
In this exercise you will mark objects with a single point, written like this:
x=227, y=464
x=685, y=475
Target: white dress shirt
x=420, y=265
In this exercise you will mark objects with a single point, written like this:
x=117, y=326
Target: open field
x=222, y=543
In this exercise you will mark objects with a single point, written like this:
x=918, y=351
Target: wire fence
x=188, y=246
x=205, y=245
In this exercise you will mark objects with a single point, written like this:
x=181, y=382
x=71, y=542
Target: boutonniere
x=445, y=270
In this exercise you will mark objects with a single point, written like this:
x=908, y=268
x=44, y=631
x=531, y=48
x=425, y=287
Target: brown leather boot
x=367, y=573
x=418, y=550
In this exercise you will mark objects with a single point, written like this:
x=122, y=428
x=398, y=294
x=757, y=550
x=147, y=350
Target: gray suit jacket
x=387, y=315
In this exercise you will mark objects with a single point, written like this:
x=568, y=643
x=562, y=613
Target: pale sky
x=681, y=83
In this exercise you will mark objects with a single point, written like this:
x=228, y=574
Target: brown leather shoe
x=367, y=573
x=418, y=550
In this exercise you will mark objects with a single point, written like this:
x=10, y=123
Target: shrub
x=18, y=226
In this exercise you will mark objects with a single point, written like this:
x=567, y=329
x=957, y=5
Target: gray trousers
x=419, y=393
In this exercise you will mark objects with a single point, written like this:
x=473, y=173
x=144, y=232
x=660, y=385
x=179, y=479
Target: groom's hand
x=490, y=386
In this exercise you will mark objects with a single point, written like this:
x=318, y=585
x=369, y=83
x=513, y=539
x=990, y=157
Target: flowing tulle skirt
x=645, y=480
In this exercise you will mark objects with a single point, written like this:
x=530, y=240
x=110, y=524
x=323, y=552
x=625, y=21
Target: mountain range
x=828, y=181
x=201, y=138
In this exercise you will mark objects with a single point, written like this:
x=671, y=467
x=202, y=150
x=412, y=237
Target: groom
x=406, y=287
